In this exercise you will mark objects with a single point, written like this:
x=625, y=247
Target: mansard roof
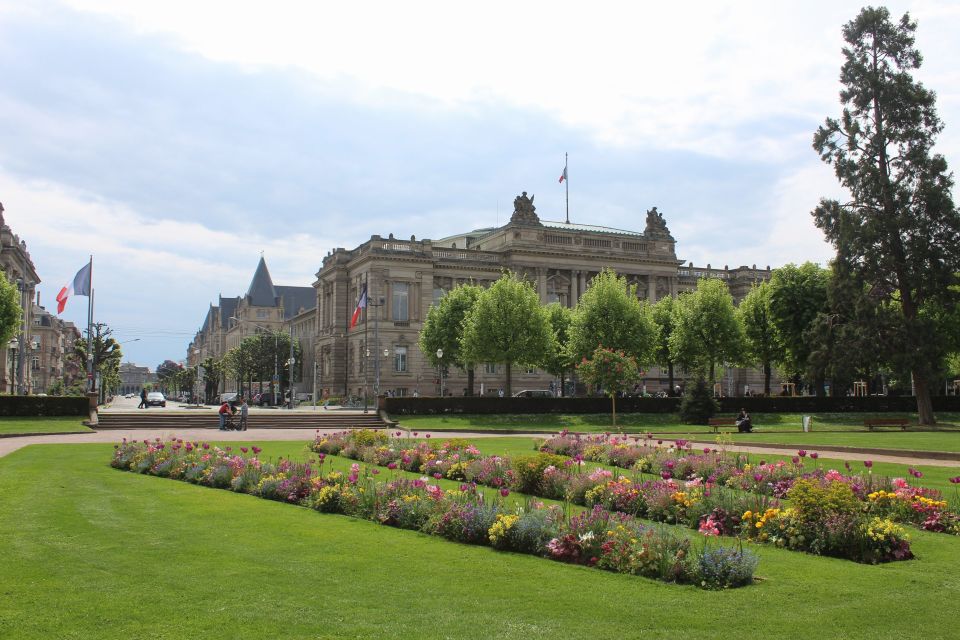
x=296, y=298
x=571, y=226
x=262, y=292
x=228, y=307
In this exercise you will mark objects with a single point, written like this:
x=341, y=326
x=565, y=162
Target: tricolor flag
x=563, y=176
x=361, y=304
x=79, y=287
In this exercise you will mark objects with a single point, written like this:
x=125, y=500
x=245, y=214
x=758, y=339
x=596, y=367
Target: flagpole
x=366, y=345
x=566, y=183
x=90, y=378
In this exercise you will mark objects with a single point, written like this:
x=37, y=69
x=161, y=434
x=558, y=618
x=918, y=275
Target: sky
x=176, y=141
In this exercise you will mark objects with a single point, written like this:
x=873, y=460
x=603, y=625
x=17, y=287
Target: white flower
x=585, y=537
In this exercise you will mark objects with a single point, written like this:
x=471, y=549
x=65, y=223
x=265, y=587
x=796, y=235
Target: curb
x=897, y=453
x=43, y=433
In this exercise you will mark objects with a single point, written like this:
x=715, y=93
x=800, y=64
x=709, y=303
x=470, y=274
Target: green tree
x=705, y=328
x=507, y=325
x=11, y=315
x=443, y=329
x=614, y=370
x=900, y=228
x=106, y=357
x=213, y=371
x=760, y=345
x=610, y=314
x=797, y=296
x=558, y=361
x=662, y=314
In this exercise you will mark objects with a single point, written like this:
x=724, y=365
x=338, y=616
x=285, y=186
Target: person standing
x=244, y=412
x=143, y=399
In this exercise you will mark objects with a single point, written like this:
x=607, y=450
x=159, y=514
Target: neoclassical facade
x=405, y=277
x=16, y=264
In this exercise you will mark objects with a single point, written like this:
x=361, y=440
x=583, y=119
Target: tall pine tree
x=900, y=228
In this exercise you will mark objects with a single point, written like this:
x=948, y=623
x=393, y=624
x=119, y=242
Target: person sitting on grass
x=743, y=422
x=225, y=410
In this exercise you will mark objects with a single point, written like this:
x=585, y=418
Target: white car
x=533, y=393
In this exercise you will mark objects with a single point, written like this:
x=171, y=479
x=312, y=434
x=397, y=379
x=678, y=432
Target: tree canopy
x=900, y=230
x=559, y=361
x=11, y=315
x=610, y=315
x=443, y=329
x=797, y=296
x=760, y=336
x=705, y=328
x=507, y=325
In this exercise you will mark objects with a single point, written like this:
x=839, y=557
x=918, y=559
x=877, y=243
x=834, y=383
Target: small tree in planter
x=697, y=406
x=614, y=371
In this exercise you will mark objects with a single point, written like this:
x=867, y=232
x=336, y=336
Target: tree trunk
x=766, y=378
x=470, y=381
x=563, y=386
x=670, y=378
x=712, y=372
x=509, y=392
x=613, y=403
x=924, y=402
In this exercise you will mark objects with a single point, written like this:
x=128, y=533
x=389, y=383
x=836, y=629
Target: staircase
x=147, y=419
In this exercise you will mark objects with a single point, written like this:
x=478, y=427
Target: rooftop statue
x=656, y=225
x=523, y=210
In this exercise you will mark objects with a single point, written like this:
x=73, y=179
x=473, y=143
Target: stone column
x=574, y=288
x=542, y=284
x=652, y=288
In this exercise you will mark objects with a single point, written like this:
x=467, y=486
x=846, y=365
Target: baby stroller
x=231, y=423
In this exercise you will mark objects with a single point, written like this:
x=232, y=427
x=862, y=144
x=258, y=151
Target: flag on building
x=79, y=287
x=563, y=176
x=361, y=304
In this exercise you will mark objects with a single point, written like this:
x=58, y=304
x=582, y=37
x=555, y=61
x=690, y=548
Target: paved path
x=8, y=445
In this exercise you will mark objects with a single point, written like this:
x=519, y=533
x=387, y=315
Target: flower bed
x=598, y=538
x=888, y=498
x=708, y=501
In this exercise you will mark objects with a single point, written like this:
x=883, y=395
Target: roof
x=296, y=298
x=261, y=291
x=571, y=226
x=228, y=307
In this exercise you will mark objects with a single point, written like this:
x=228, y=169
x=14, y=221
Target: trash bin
x=806, y=424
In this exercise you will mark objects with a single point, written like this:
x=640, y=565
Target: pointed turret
x=261, y=292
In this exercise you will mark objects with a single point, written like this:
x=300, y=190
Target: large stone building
x=264, y=308
x=405, y=277
x=134, y=378
x=16, y=264
x=49, y=352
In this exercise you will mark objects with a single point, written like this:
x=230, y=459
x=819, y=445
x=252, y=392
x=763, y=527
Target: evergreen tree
x=900, y=229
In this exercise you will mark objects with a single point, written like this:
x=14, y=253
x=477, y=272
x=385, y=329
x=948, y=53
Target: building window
x=490, y=368
x=400, y=359
x=531, y=370
x=401, y=302
x=438, y=294
x=262, y=314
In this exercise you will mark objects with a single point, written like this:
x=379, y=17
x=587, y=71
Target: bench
x=870, y=423
x=716, y=423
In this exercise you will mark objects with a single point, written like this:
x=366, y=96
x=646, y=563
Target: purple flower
x=375, y=471
x=666, y=475
x=955, y=480
x=504, y=492
x=868, y=463
x=814, y=455
x=428, y=435
x=802, y=453
x=391, y=465
x=438, y=475
x=706, y=449
x=757, y=477
x=796, y=459
x=243, y=449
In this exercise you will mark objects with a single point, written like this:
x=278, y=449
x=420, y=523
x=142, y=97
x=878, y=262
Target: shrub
x=698, y=405
x=529, y=470
x=723, y=567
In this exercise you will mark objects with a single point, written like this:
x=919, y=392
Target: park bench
x=870, y=423
x=716, y=423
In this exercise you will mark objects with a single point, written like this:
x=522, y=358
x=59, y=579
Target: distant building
x=134, y=378
x=264, y=308
x=15, y=263
x=50, y=351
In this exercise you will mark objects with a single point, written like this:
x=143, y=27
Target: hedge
x=44, y=406
x=773, y=404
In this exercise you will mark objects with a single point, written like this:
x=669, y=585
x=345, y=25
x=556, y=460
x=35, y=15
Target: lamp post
x=14, y=347
x=440, y=367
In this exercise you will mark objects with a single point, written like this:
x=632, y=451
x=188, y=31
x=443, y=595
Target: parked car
x=229, y=397
x=156, y=399
x=533, y=393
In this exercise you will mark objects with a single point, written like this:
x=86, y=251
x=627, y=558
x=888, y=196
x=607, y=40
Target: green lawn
x=656, y=422
x=65, y=424
x=92, y=552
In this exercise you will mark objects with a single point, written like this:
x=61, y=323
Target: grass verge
x=64, y=424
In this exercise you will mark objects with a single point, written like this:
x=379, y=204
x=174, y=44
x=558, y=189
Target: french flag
x=79, y=287
x=361, y=304
x=563, y=176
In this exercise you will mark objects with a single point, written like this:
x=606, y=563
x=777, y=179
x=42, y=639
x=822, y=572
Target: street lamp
x=440, y=366
x=14, y=346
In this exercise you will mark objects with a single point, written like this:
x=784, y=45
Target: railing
x=456, y=254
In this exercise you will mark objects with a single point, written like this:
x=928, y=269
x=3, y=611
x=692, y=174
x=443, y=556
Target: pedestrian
x=143, y=399
x=744, y=424
x=244, y=412
x=225, y=410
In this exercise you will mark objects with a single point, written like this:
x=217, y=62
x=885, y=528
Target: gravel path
x=8, y=445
